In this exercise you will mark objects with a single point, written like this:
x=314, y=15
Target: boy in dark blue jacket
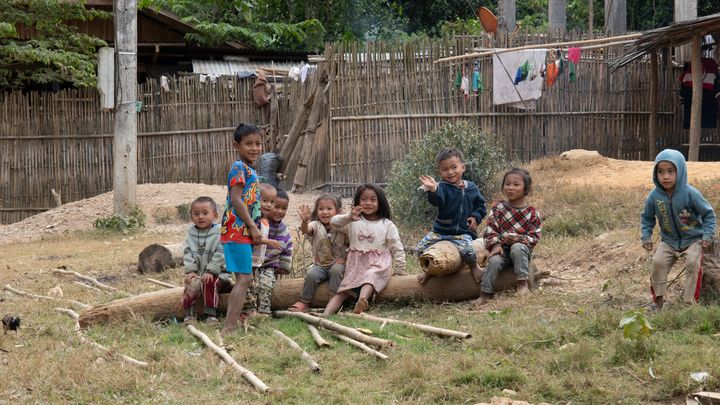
x=687, y=226
x=461, y=208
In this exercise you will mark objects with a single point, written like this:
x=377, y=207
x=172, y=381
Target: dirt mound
x=158, y=202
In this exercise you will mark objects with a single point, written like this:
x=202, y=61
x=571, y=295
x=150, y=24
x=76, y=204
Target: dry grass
x=560, y=344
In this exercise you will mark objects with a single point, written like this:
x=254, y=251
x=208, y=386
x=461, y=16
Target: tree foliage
x=56, y=52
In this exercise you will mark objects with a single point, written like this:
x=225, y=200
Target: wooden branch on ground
x=89, y=287
x=334, y=326
x=44, y=297
x=88, y=279
x=314, y=366
x=317, y=338
x=361, y=346
x=97, y=345
x=419, y=326
x=245, y=373
x=161, y=283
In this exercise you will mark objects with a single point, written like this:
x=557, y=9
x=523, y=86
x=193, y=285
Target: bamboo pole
x=97, y=345
x=477, y=55
x=161, y=283
x=653, y=125
x=491, y=114
x=419, y=326
x=314, y=366
x=288, y=146
x=245, y=373
x=327, y=324
x=88, y=279
x=361, y=346
x=317, y=338
x=44, y=297
x=89, y=287
x=696, y=107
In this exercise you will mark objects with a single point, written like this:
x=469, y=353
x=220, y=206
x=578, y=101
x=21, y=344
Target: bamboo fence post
x=696, y=107
x=88, y=279
x=161, y=283
x=97, y=345
x=652, y=128
x=314, y=366
x=419, y=326
x=245, y=373
x=361, y=346
x=44, y=297
x=317, y=338
x=327, y=324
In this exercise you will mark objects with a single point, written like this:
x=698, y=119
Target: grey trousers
x=663, y=260
x=519, y=258
x=317, y=275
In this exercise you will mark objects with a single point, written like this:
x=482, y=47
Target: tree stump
x=156, y=258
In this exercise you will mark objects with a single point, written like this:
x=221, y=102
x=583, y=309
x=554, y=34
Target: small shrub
x=484, y=157
x=120, y=223
x=183, y=212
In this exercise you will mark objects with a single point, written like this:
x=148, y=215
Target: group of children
x=357, y=252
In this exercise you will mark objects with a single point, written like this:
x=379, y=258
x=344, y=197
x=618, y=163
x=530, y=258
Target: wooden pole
x=43, y=297
x=361, y=346
x=696, y=108
x=88, y=279
x=539, y=46
x=162, y=283
x=314, y=366
x=334, y=326
x=653, y=127
x=125, y=139
x=419, y=326
x=591, y=16
x=245, y=373
x=317, y=338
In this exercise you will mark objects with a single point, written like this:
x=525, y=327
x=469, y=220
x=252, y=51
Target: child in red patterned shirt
x=512, y=231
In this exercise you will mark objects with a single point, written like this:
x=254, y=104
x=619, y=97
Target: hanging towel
x=574, y=55
x=522, y=72
x=458, y=79
x=571, y=69
x=465, y=86
x=523, y=95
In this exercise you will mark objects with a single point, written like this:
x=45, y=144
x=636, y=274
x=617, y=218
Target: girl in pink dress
x=374, y=245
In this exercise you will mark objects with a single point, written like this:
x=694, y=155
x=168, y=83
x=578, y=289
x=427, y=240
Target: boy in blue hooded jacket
x=461, y=208
x=687, y=226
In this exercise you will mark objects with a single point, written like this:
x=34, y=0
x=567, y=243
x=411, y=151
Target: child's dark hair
x=205, y=199
x=527, y=180
x=244, y=130
x=326, y=197
x=447, y=153
x=282, y=194
x=267, y=188
x=382, y=201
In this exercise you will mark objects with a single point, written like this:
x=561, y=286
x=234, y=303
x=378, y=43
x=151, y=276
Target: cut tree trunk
x=165, y=304
x=156, y=258
x=444, y=257
x=711, y=270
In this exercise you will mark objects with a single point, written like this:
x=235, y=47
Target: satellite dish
x=487, y=19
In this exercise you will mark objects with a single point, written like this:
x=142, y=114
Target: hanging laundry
x=458, y=79
x=522, y=72
x=574, y=55
x=465, y=86
x=476, y=80
x=524, y=94
x=571, y=70
x=551, y=73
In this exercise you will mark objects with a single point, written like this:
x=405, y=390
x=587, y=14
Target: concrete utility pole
x=615, y=17
x=510, y=12
x=684, y=10
x=557, y=15
x=125, y=139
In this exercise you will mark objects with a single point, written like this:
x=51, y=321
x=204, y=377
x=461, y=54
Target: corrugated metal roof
x=231, y=68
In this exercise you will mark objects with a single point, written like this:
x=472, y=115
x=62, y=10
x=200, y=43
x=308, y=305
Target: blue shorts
x=238, y=258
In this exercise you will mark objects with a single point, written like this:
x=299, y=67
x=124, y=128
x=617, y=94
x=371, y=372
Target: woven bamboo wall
x=63, y=141
x=385, y=96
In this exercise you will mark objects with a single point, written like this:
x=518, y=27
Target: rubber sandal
x=361, y=306
x=298, y=307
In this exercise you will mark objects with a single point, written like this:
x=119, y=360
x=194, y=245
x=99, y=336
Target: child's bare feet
x=522, y=287
x=423, y=277
x=477, y=273
x=361, y=306
x=483, y=299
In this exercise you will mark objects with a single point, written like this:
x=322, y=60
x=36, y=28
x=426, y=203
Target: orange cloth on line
x=551, y=74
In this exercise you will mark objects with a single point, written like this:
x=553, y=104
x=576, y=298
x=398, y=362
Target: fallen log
x=444, y=258
x=164, y=304
x=156, y=257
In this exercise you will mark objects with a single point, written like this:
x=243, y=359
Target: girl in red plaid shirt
x=513, y=229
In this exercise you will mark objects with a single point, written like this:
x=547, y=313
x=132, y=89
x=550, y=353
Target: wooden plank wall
x=63, y=141
x=385, y=96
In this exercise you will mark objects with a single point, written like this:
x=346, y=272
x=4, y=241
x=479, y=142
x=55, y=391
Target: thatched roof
x=673, y=35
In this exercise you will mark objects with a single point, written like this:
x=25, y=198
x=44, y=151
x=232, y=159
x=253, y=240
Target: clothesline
x=584, y=48
x=609, y=41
